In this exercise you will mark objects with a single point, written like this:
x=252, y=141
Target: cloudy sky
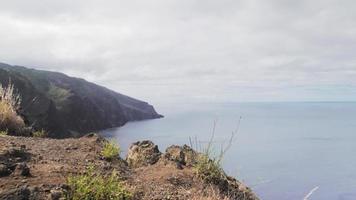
x=166, y=51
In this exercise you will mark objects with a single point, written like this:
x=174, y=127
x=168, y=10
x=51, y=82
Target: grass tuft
x=99, y=187
x=2, y=133
x=9, y=104
x=209, y=169
x=40, y=134
x=110, y=150
x=208, y=165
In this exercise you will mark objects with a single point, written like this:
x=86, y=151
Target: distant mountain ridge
x=69, y=107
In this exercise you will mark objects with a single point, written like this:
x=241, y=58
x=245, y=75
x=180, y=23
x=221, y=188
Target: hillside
x=70, y=107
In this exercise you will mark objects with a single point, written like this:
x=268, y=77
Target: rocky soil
x=37, y=168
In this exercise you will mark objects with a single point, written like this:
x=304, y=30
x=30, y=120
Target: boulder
x=143, y=153
x=56, y=194
x=184, y=155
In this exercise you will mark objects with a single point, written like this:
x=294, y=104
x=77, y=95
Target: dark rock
x=143, y=154
x=15, y=152
x=56, y=194
x=179, y=165
x=21, y=193
x=4, y=170
x=22, y=170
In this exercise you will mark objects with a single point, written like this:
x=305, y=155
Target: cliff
x=66, y=106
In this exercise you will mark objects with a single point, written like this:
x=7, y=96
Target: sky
x=174, y=51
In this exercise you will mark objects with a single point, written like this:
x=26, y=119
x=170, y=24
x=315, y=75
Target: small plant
x=91, y=186
x=40, y=134
x=209, y=169
x=3, y=133
x=110, y=150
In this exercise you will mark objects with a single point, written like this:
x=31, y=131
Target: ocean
x=281, y=150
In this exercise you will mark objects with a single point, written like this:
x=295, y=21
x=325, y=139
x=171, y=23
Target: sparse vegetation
x=110, y=150
x=40, y=134
x=208, y=165
x=209, y=168
x=58, y=95
x=9, y=104
x=91, y=186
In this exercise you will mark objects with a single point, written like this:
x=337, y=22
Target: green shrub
x=209, y=168
x=40, y=134
x=91, y=186
x=3, y=132
x=110, y=150
x=9, y=104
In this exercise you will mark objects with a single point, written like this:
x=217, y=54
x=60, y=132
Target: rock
x=15, y=152
x=56, y=194
x=143, y=154
x=22, y=170
x=21, y=193
x=183, y=155
x=175, y=153
x=4, y=170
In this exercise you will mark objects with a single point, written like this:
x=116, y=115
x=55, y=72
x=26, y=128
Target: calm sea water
x=282, y=150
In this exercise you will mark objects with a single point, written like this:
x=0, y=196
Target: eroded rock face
x=143, y=153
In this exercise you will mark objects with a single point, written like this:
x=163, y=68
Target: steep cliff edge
x=70, y=107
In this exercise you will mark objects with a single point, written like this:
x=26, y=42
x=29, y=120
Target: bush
x=110, y=150
x=3, y=132
x=40, y=134
x=9, y=104
x=209, y=169
x=90, y=186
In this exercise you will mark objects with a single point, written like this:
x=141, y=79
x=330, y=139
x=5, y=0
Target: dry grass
x=40, y=134
x=9, y=104
x=210, y=193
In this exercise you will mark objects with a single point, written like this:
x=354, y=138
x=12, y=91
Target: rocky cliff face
x=70, y=107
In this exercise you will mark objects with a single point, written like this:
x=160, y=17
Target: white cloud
x=183, y=50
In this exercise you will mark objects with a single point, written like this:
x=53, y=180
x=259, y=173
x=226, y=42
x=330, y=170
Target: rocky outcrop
x=38, y=168
x=145, y=153
x=69, y=107
x=142, y=154
x=183, y=155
